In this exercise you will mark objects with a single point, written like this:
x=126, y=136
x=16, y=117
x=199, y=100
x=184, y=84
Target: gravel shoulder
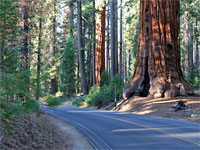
x=77, y=141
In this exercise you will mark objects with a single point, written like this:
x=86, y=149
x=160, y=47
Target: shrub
x=104, y=96
x=53, y=101
x=101, y=96
x=7, y=112
x=94, y=91
x=194, y=77
x=9, y=109
x=105, y=77
x=79, y=101
x=31, y=106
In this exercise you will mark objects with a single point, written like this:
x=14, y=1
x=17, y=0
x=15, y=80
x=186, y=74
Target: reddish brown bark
x=100, y=44
x=157, y=69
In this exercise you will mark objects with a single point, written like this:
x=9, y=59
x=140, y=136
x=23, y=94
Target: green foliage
x=101, y=96
x=93, y=93
x=12, y=75
x=31, y=106
x=105, y=77
x=53, y=101
x=194, y=77
x=8, y=19
x=132, y=66
x=9, y=109
x=13, y=84
x=79, y=101
x=68, y=67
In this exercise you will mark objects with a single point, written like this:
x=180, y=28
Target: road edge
x=77, y=140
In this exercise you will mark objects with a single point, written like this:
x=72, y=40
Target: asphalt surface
x=107, y=130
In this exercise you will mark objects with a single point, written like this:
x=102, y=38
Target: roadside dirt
x=42, y=132
x=77, y=141
x=33, y=132
x=160, y=107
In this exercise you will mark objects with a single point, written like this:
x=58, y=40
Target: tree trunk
x=54, y=86
x=120, y=56
x=89, y=56
x=93, y=45
x=190, y=48
x=38, y=63
x=71, y=18
x=116, y=35
x=112, y=38
x=26, y=28
x=125, y=63
x=2, y=38
x=108, y=38
x=185, y=46
x=26, y=51
x=196, y=51
x=157, y=69
x=100, y=44
x=129, y=61
x=80, y=54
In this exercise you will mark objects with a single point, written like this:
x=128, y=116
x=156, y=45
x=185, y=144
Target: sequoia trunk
x=157, y=68
x=100, y=44
x=93, y=43
x=120, y=55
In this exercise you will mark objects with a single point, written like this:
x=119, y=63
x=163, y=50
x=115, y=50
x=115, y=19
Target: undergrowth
x=10, y=109
x=103, y=95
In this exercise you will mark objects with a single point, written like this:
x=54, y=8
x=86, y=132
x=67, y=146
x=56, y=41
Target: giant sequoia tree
x=157, y=68
x=100, y=44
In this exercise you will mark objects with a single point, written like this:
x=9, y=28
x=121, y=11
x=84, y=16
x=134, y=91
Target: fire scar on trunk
x=157, y=69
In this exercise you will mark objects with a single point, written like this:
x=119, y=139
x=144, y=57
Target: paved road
x=106, y=130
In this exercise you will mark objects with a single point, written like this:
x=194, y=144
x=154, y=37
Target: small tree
x=68, y=68
x=12, y=83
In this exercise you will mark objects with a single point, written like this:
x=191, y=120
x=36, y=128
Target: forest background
x=57, y=50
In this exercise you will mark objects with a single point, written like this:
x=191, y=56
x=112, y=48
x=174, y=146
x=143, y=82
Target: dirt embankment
x=42, y=132
x=161, y=107
x=33, y=132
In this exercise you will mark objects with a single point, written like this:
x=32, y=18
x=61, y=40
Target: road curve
x=107, y=130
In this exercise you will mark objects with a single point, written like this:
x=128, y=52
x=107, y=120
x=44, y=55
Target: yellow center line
x=153, y=129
